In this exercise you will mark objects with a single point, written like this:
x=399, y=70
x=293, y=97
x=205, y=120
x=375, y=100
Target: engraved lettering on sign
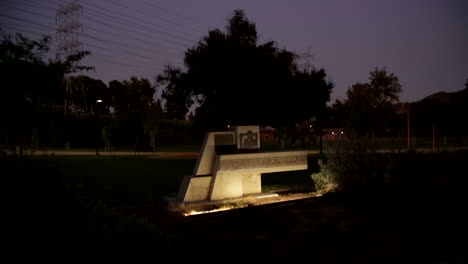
x=257, y=163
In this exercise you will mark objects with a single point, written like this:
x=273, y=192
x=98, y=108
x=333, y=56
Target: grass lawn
x=111, y=179
x=163, y=148
x=125, y=179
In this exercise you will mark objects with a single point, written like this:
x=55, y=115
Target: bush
x=355, y=166
x=325, y=179
x=401, y=173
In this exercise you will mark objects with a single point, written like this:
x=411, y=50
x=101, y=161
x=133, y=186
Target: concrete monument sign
x=222, y=176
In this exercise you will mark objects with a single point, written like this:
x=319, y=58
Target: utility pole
x=68, y=33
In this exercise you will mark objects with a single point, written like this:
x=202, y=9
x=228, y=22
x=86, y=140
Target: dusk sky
x=424, y=42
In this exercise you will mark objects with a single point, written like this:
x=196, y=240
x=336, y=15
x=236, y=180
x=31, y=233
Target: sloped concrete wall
x=197, y=189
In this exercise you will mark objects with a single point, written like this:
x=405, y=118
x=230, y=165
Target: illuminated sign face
x=248, y=137
x=248, y=140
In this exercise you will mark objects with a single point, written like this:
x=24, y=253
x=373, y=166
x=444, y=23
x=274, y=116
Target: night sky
x=424, y=42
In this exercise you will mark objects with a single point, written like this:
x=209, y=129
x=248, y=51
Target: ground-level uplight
x=193, y=212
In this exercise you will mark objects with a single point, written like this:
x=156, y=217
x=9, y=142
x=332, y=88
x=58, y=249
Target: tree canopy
x=29, y=82
x=20, y=57
x=235, y=80
x=370, y=105
x=135, y=95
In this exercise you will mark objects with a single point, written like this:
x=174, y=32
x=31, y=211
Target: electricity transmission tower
x=68, y=33
x=304, y=60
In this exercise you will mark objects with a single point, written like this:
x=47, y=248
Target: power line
x=144, y=12
x=162, y=33
x=141, y=29
x=115, y=60
x=144, y=42
x=122, y=46
x=22, y=29
x=141, y=23
x=115, y=48
x=24, y=11
x=119, y=29
x=33, y=23
x=107, y=24
x=98, y=9
x=141, y=59
x=167, y=10
x=105, y=57
x=124, y=51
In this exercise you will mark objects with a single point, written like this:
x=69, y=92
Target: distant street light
x=98, y=101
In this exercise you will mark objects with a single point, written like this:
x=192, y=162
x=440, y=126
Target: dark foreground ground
x=386, y=226
x=332, y=228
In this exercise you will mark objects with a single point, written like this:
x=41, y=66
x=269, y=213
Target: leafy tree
x=19, y=58
x=86, y=92
x=135, y=95
x=370, y=104
x=235, y=80
x=132, y=101
x=178, y=98
x=337, y=115
x=385, y=87
x=29, y=82
x=152, y=119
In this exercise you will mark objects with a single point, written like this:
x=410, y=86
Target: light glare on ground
x=261, y=201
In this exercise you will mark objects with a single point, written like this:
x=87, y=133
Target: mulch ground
x=332, y=228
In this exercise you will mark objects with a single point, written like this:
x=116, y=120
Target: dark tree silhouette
x=86, y=92
x=29, y=82
x=369, y=105
x=235, y=80
x=135, y=95
x=447, y=111
x=177, y=97
x=133, y=102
